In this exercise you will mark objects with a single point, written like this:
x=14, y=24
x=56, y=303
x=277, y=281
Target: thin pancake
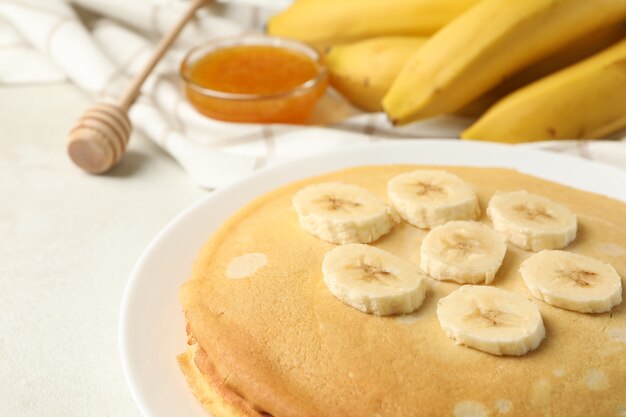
x=286, y=346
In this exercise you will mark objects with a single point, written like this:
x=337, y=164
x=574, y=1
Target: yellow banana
x=586, y=100
x=486, y=44
x=363, y=71
x=328, y=22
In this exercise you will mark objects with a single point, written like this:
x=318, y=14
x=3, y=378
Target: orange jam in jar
x=254, y=79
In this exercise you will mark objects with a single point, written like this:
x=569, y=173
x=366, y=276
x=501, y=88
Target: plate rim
x=526, y=154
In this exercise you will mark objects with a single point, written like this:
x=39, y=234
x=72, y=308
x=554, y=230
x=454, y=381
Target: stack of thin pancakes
x=266, y=337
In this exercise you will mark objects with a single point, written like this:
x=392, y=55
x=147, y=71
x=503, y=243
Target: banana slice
x=372, y=280
x=343, y=213
x=572, y=281
x=491, y=320
x=462, y=251
x=428, y=198
x=532, y=222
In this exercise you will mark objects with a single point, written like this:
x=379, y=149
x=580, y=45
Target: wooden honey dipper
x=98, y=139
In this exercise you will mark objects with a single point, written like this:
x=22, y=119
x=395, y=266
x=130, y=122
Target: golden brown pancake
x=268, y=337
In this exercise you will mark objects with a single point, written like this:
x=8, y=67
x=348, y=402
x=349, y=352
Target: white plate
x=151, y=331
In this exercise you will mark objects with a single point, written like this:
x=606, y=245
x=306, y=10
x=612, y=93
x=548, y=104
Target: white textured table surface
x=68, y=242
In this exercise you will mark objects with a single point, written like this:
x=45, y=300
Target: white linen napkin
x=51, y=40
x=20, y=63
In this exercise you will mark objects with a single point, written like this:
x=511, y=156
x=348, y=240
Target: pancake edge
x=208, y=388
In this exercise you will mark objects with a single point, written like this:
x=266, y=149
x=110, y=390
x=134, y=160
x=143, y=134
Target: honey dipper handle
x=98, y=139
x=132, y=91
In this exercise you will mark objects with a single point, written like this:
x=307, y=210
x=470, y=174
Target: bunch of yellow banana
x=489, y=43
x=532, y=69
x=363, y=71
